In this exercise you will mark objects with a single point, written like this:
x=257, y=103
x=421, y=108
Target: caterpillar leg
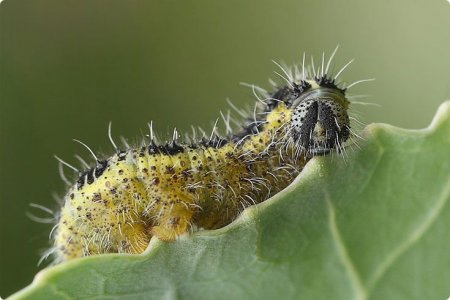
x=134, y=239
x=173, y=223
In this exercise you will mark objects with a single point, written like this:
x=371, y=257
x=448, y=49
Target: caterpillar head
x=320, y=122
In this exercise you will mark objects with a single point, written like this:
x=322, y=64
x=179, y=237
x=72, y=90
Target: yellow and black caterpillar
x=163, y=190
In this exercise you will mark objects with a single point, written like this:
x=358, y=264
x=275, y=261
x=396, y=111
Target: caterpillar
x=163, y=190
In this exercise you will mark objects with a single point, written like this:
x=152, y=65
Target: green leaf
x=373, y=224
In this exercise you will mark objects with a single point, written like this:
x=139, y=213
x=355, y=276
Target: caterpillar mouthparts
x=163, y=190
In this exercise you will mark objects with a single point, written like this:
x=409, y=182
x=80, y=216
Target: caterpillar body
x=163, y=190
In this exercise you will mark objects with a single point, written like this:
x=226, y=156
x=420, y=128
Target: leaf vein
x=414, y=237
x=355, y=279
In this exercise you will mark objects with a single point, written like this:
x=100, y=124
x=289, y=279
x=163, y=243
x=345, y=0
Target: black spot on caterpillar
x=162, y=190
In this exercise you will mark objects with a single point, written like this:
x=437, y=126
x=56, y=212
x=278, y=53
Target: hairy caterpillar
x=163, y=190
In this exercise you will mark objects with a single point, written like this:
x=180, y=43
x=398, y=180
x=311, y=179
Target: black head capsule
x=320, y=122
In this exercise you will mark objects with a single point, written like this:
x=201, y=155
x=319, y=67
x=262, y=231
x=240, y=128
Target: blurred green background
x=67, y=68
